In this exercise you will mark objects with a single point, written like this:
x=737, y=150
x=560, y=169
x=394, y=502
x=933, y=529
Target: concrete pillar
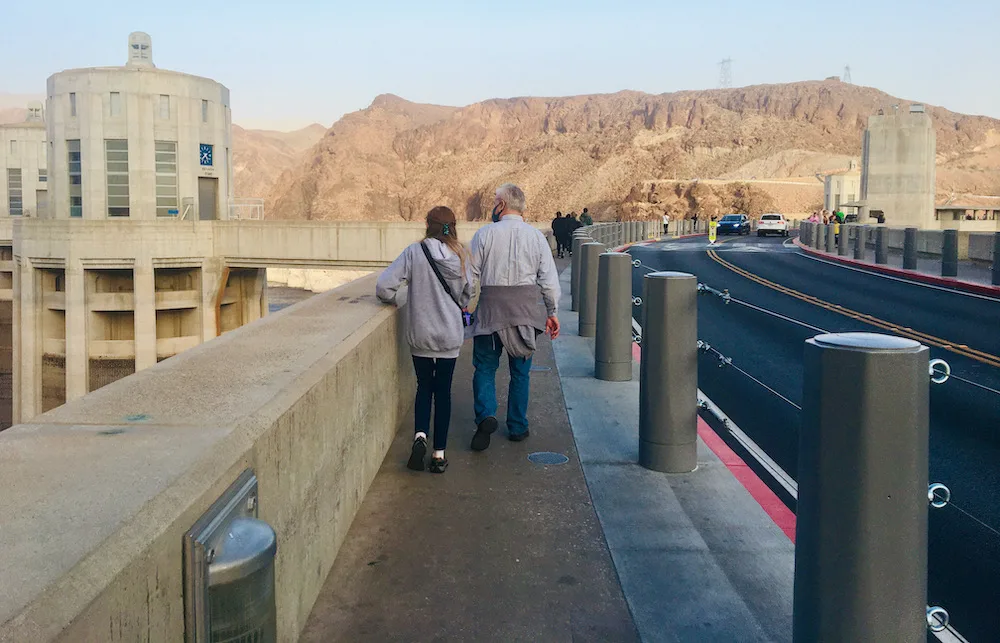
x=861, y=242
x=589, y=253
x=668, y=379
x=831, y=238
x=144, y=298
x=910, y=248
x=861, y=530
x=819, y=239
x=881, y=246
x=613, y=345
x=574, y=284
x=996, y=259
x=804, y=233
x=27, y=342
x=77, y=343
x=843, y=243
x=949, y=254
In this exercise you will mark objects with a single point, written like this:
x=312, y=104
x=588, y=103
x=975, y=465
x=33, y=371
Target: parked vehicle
x=735, y=224
x=772, y=223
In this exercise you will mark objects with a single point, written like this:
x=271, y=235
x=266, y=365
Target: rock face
x=396, y=159
x=260, y=156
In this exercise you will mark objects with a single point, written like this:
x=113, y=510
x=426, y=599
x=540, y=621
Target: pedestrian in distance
x=438, y=272
x=519, y=293
x=560, y=233
x=585, y=218
x=666, y=223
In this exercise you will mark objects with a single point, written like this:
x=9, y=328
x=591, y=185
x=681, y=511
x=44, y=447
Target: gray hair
x=513, y=196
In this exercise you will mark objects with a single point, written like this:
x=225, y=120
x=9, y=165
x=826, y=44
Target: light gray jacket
x=433, y=319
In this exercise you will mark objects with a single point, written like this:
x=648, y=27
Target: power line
x=726, y=73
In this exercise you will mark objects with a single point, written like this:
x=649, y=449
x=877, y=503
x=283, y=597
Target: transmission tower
x=847, y=74
x=726, y=73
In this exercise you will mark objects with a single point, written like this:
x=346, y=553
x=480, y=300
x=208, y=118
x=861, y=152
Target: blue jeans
x=486, y=350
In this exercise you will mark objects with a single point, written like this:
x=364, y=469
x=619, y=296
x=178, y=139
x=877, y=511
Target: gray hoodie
x=433, y=320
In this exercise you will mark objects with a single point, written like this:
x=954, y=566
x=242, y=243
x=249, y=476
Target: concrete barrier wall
x=981, y=247
x=99, y=492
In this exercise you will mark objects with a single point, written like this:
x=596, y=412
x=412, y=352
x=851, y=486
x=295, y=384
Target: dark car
x=734, y=224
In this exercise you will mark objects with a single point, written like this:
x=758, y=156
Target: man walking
x=519, y=293
x=559, y=232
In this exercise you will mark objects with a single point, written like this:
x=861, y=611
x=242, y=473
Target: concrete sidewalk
x=697, y=556
x=495, y=549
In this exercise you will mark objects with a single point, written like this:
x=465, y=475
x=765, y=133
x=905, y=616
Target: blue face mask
x=497, y=209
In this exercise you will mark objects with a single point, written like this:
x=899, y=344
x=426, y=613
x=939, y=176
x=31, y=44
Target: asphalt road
x=964, y=554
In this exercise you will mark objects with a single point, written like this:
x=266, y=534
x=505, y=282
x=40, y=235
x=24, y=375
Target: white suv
x=772, y=224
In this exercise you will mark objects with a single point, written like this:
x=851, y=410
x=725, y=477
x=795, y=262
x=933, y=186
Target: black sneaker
x=517, y=437
x=481, y=440
x=438, y=465
x=417, y=455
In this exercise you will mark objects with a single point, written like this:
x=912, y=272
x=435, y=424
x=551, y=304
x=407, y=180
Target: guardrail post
x=668, y=373
x=613, y=344
x=949, y=254
x=996, y=259
x=574, y=283
x=881, y=246
x=843, y=243
x=861, y=242
x=589, y=252
x=861, y=530
x=910, y=248
x=831, y=238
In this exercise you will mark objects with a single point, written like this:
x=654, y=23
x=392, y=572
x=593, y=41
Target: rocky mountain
x=260, y=156
x=396, y=159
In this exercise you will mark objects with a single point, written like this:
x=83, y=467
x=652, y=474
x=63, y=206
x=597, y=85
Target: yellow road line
x=904, y=331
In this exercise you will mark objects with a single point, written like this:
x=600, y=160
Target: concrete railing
x=975, y=246
x=100, y=492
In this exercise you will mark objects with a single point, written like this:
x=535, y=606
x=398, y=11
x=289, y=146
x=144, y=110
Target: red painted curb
x=776, y=510
x=958, y=284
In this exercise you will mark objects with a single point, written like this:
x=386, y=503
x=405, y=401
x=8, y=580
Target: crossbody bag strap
x=437, y=273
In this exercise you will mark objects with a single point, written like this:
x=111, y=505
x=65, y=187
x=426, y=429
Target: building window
x=204, y=111
x=13, y=148
x=116, y=163
x=72, y=104
x=43, y=176
x=164, y=106
x=850, y=198
x=116, y=104
x=166, y=179
x=75, y=178
x=14, y=201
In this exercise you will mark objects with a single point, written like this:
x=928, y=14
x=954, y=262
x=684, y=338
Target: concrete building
x=898, y=168
x=138, y=142
x=840, y=188
x=23, y=166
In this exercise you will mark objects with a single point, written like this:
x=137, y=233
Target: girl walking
x=440, y=285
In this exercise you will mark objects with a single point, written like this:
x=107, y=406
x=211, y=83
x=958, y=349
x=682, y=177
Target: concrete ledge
x=958, y=284
x=100, y=491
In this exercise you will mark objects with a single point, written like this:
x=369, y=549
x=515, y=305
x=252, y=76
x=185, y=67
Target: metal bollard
x=949, y=254
x=881, y=246
x=861, y=242
x=843, y=243
x=668, y=373
x=589, y=252
x=820, y=237
x=996, y=259
x=861, y=533
x=807, y=233
x=910, y=248
x=574, y=280
x=831, y=238
x=613, y=345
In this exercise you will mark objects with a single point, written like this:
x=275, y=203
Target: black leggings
x=433, y=383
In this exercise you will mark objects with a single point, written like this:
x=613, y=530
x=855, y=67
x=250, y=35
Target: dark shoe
x=481, y=440
x=517, y=437
x=417, y=455
x=438, y=465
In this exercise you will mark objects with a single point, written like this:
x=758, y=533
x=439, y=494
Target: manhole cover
x=547, y=457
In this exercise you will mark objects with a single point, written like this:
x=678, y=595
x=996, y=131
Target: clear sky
x=292, y=62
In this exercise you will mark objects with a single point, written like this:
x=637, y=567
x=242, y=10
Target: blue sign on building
x=206, y=154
